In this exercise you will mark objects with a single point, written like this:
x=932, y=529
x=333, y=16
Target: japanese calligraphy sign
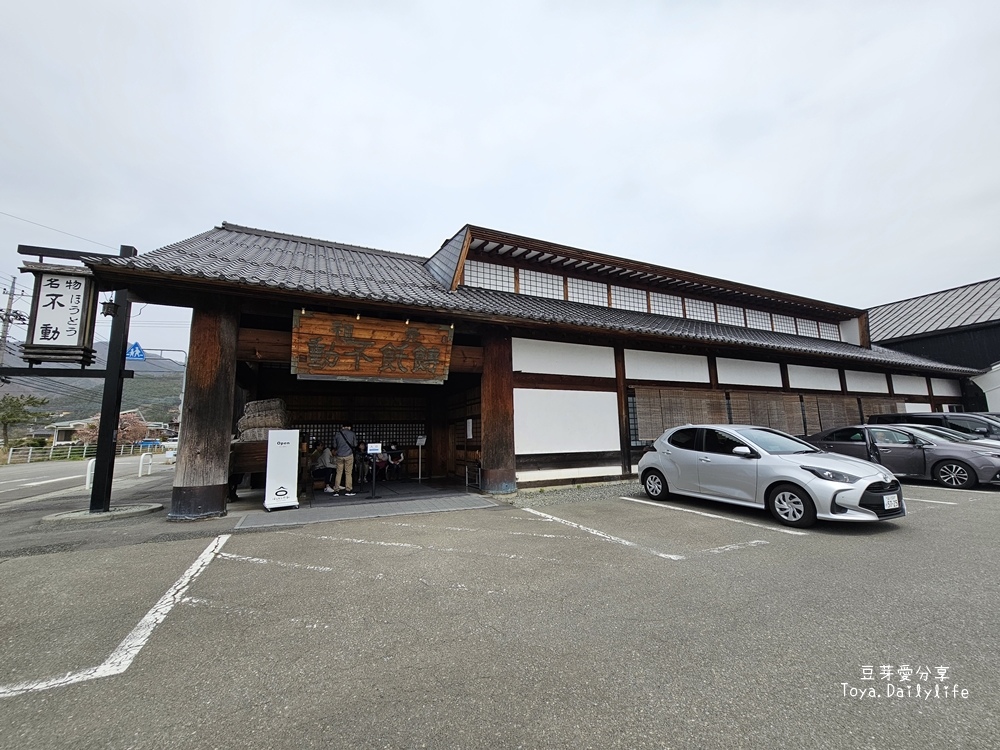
x=341, y=347
x=63, y=309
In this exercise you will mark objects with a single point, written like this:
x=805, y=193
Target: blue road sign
x=135, y=353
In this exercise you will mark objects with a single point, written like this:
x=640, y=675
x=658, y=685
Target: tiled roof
x=970, y=305
x=250, y=257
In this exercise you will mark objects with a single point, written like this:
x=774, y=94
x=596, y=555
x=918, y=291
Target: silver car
x=911, y=452
x=764, y=468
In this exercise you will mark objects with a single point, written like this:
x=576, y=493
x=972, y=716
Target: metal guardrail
x=72, y=452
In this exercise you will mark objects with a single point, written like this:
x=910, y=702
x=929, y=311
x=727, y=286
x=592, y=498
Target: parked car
x=972, y=424
x=764, y=468
x=953, y=436
x=909, y=452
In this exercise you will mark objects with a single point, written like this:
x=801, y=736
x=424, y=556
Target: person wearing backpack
x=344, y=444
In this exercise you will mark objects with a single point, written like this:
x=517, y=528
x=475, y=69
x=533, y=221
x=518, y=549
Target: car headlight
x=991, y=454
x=832, y=476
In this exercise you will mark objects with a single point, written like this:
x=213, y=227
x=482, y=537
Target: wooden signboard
x=342, y=347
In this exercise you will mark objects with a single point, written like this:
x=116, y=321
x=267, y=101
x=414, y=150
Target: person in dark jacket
x=344, y=444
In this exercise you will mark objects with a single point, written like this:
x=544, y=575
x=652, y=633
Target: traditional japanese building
x=960, y=326
x=532, y=361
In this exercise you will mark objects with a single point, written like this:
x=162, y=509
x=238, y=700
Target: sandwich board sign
x=281, y=487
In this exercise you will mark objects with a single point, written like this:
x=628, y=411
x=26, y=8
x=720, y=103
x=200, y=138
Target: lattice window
x=699, y=309
x=588, y=292
x=489, y=276
x=730, y=315
x=539, y=284
x=829, y=331
x=759, y=319
x=628, y=299
x=783, y=323
x=807, y=327
x=666, y=304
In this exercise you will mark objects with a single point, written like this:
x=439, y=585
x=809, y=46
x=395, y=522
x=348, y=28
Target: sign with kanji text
x=61, y=327
x=346, y=347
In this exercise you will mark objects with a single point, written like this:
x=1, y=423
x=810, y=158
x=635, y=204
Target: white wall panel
x=850, y=331
x=990, y=383
x=911, y=385
x=565, y=421
x=817, y=378
x=680, y=368
x=745, y=372
x=946, y=387
x=556, y=358
x=866, y=382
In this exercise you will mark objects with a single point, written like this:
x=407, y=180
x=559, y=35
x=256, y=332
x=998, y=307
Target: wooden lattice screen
x=660, y=408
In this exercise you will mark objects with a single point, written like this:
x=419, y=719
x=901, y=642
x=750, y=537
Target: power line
x=53, y=229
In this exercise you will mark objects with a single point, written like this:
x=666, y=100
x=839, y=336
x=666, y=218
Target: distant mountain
x=154, y=390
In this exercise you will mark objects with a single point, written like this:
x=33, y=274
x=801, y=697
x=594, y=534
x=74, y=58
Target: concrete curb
x=116, y=512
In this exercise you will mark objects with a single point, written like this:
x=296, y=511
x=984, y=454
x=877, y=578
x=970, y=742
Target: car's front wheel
x=654, y=484
x=791, y=506
x=955, y=474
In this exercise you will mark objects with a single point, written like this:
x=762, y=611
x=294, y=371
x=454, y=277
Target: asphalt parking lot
x=588, y=619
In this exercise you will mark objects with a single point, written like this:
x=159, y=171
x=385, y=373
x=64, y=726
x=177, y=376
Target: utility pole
x=6, y=321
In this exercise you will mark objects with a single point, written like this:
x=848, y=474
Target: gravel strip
x=578, y=493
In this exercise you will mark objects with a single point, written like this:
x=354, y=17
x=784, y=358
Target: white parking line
x=712, y=515
x=602, y=535
x=121, y=658
x=937, y=502
x=733, y=547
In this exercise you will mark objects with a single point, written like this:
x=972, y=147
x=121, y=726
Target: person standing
x=345, y=442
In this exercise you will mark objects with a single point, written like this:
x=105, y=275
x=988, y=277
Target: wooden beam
x=624, y=439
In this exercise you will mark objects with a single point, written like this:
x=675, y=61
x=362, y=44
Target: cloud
x=844, y=151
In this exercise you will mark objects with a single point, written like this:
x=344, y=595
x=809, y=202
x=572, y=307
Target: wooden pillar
x=200, y=484
x=621, y=386
x=497, y=405
x=436, y=452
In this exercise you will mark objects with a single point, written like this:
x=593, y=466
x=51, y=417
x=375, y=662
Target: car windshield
x=775, y=442
x=942, y=433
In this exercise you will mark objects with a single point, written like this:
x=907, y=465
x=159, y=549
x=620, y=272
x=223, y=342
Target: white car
x=763, y=468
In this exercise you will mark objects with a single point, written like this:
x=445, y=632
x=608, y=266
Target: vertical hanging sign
x=281, y=489
x=63, y=309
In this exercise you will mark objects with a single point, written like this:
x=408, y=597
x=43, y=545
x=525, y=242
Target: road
x=23, y=482
x=592, y=619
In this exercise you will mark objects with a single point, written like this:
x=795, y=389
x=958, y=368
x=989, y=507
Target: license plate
x=891, y=501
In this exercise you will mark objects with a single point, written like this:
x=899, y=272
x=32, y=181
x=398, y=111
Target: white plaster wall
x=818, y=378
x=745, y=372
x=850, y=331
x=565, y=421
x=911, y=385
x=943, y=387
x=990, y=383
x=685, y=368
x=556, y=358
x=866, y=382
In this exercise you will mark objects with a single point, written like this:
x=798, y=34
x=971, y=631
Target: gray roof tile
x=275, y=261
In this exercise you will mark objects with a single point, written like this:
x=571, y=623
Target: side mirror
x=742, y=450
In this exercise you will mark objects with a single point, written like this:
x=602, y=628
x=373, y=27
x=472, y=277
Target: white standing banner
x=281, y=488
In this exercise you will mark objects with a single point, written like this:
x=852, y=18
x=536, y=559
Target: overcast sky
x=843, y=151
